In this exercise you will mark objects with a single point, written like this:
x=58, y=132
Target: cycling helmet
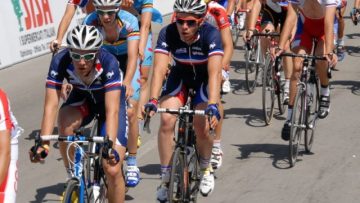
x=197, y=7
x=84, y=37
x=106, y=2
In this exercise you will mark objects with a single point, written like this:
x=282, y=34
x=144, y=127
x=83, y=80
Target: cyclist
x=67, y=17
x=318, y=22
x=121, y=38
x=9, y=133
x=355, y=12
x=96, y=79
x=143, y=10
x=196, y=49
x=273, y=16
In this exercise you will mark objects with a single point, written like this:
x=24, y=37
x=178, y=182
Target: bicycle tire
x=194, y=175
x=296, y=129
x=311, y=113
x=89, y=165
x=279, y=91
x=251, y=68
x=177, y=192
x=71, y=194
x=268, y=91
x=235, y=31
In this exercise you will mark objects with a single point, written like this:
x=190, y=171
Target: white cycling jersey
x=324, y=3
x=8, y=121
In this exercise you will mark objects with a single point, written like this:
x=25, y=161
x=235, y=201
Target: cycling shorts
x=135, y=83
x=309, y=33
x=8, y=187
x=270, y=16
x=177, y=87
x=89, y=109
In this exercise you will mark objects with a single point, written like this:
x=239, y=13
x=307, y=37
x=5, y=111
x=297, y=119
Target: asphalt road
x=255, y=166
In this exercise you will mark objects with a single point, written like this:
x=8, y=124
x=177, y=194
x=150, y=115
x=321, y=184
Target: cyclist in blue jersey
x=96, y=87
x=196, y=49
x=121, y=38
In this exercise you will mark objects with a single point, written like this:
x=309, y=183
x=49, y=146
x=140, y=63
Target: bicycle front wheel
x=194, y=174
x=279, y=91
x=251, y=69
x=311, y=113
x=177, y=191
x=268, y=93
x=297, y=126
x=71, y=194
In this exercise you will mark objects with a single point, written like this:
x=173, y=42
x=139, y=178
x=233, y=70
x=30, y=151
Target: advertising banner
x=28, y=26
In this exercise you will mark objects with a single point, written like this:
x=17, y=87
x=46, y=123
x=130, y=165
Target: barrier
x=28, y=26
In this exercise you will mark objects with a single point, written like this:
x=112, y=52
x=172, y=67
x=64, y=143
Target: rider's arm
x=133, y=53
x=52, y=97
x=290, y=23
x=228, y=46
x=329, y=28
x=214, y=71
x=144, y=32
x=230, y=7
x=160, y=68
x=112, y=113
x=254, y=14
x=65, y=21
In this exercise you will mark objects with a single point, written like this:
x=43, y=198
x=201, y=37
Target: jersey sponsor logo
x=180, y=51
x=109, y=75
x=197, y=48
x=163, y=44
x=212, y=45
x=198, y=53
x=53, y=73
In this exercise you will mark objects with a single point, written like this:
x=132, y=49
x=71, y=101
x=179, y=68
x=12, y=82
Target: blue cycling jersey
x=142, y=6
x=107, y=76
x=128, y=30
x=194, y=56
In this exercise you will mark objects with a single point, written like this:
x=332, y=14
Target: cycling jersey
x=8, y=187
x=223, y=3
x=324, y=3
x=191, y=61
x=142, y=6
x=90, y=98
x=128, y=30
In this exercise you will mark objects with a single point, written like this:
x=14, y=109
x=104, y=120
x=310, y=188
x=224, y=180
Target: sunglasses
x=86, y=57
x=190, y=23
x=108, y=12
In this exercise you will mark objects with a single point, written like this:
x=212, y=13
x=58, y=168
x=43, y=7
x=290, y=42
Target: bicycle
x=306, y=106
x=185, y=170
x=88, y=182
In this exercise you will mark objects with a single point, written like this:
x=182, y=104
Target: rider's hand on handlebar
x=276, y=52
x=212, y=109
x=65, y=91
x=39, y=153
x=248, y=35
x=150, y=107
x=54, y=46
x=332, y=59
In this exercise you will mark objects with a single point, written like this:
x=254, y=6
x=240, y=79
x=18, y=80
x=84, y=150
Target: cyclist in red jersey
x=9, y=133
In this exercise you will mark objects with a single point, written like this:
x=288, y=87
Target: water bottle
x=190, y=151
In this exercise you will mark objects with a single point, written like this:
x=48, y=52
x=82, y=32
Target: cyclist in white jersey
x=9, y=133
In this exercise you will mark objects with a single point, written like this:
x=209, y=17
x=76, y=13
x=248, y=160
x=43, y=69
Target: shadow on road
x=238, y=66
x=253, y=117
x=353, y=50
x=53, y=189
x=150, y=169
x=278, y=153
x=353, y=86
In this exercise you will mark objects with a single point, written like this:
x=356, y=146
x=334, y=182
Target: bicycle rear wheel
x=71, y=194
x=312, y=103
x=251, y=67
x=268, y=90
x=177, y=191
x=297, y=126
x=235, y=31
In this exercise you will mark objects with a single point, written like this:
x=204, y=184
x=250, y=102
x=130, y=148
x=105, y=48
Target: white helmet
x=106, y=3
x=84, y=37
x=197, y=7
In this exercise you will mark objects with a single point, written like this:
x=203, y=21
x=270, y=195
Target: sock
x=165, y=174
x=204, y=163
x=217, y=143
x=289, y=115
x=341, y=42
x=325, y=90
x=131, y=160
